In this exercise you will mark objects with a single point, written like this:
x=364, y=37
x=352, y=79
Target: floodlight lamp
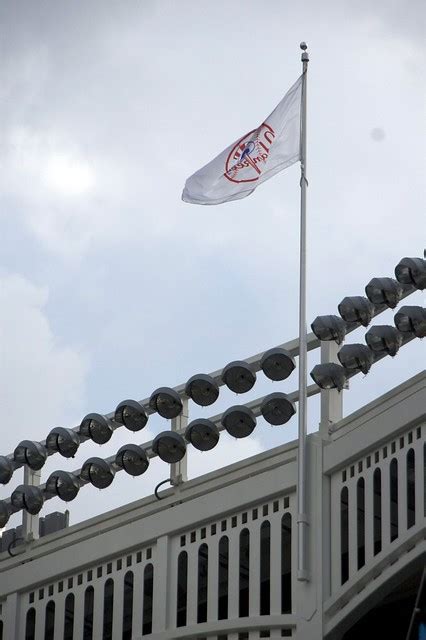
x=169, y=446
x=330, y=376
x=132, y=459
x=27, y=497
x=132, y=414
x=277, y=408
x=166, y=402
x=356, y=309
x=202, y=434
x=96, y=427
x=6, y=470
x=63, y=484
x=238, y=376
x=202, y=389
x=64, y=441
x=411, y=320
x=411, y=271
x=33, y=454
x=384, y=339
x=4, y=514
x=356, y=357
x=277, y=364
x=239, y=421
x=384, y=291
x=98, y=472
x=329, y=328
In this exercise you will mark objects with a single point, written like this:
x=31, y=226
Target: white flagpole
x=302, y=517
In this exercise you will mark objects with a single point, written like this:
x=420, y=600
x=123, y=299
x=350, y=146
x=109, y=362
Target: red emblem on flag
x=247, y=158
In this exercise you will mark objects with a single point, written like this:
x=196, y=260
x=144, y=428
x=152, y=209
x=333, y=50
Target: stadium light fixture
x=239, y=421
x=27, y=497
x=356, y=309
x=132, y=414
x=63, y=484
x=238, y=376
x=277, y=408
x=6, y=470
x=384, y=291
x=202, y=389
x=132, y=459
x=202, y=434
x=33, y=454
x=411, y=271
x=356, y=357
x=277, y=364
x=98, y=472
x=166, y=402
x=4, y=513
x=330, y=376
x=384, y=339
x=411, y=320
x=329, y=328
x=64, y=441
x=169, y=446
x=96, y=427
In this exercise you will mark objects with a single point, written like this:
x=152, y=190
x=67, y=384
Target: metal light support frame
x=312, y=342
x=331, y=412
x=254, y=361
x=179, y=424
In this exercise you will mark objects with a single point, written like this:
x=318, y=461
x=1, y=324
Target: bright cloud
x=68, y=176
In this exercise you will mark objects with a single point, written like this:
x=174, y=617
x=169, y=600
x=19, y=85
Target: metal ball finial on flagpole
x=302, y=517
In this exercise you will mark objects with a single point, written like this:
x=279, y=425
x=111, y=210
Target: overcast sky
x=110, y=285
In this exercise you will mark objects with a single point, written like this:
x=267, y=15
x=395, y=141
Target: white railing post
x=331, y=401
x=30, y=523
x=178, y=470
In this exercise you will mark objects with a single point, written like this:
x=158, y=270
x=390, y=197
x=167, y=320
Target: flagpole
x=302, y=517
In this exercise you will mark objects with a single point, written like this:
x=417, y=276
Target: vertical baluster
x=234, y=574
x=59, y=615
x=212, y=583
x=192, y=584
x=402, y=492
x=369, y=515
x=254, y=571
x=98, y=610
x=276, y=564
x=12, y=608
x=79, y=609
x=40, y=618
x=160, y=596
x=173, y=583
x=137, y=599
x=117, y=622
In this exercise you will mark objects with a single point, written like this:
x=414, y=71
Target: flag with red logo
x=253, y=158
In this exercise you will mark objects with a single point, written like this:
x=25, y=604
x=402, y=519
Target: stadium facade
x=216, y=557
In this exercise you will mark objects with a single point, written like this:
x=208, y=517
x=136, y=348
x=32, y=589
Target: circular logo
x=247, y=159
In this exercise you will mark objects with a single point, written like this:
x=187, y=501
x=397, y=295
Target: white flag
x=252, y=159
